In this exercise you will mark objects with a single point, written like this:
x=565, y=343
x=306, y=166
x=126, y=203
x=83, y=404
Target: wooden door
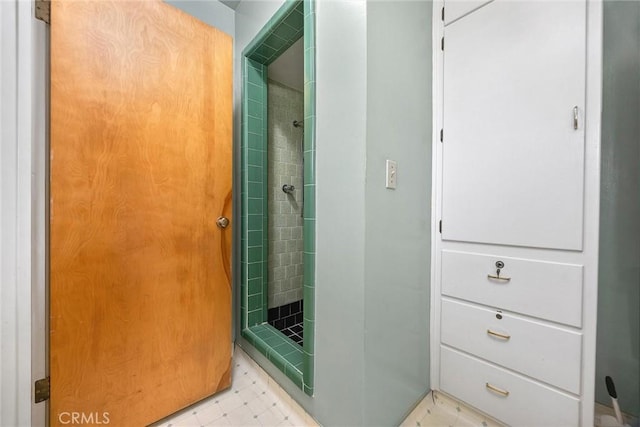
x=140, y=296
x=513, y=157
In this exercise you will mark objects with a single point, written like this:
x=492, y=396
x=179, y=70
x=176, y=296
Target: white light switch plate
x=392, y=169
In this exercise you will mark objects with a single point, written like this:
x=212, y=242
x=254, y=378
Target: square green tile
x=254, y=109
x=254, y=302
x=309, y=167
x=276, y=359
x=255, y=222
x=294, y=375
x=261, y=345
x=255, y=318
x=254, y=271
x=255, y=238
x=255, y=206
x=275, y=42
x=309, y=235
x=255, y=93
x=255, y=74
x=255, y=190
x=255, y=126
x=309, y=66
x=255, y=254
x=287, y=32
x=309, y=201
x=254, y=157
x=256, y=142
x=295, y=19
x=266, y=51
x=309, y=311
x=262, y=332
x=254, y=287
x=295, y=357
x=254, y=174
x=273, y=340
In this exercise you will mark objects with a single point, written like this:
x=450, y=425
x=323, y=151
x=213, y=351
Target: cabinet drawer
x=485, y=386
x=547, y=290
x=541, y=351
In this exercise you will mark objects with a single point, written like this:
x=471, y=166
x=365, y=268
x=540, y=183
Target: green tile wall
x=296, y=18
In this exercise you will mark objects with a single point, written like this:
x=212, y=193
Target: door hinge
x=42, y=390
x=441, y=135
x=442, y=43
x=43, y=10
x=443, y=14
x=440, y=226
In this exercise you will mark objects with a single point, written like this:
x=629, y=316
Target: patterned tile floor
x=255, y=399
x=439, y=410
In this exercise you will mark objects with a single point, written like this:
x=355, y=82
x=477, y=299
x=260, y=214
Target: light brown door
x=140, y=297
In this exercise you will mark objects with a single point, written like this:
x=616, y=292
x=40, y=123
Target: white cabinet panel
x=547, y=290
x=541, y=351
x=513, y=164
x=454, y=9
x=528, y=403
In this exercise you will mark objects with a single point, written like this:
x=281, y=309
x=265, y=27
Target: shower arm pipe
x=300, y=124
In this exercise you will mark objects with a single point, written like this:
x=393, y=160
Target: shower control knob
x=222, y=222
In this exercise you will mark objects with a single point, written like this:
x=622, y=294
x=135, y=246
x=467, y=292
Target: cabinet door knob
x=222, y=222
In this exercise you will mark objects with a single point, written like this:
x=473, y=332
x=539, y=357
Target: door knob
x=222, y=222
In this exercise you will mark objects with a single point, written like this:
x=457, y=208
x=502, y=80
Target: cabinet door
x=513, y=154
x=455, y=9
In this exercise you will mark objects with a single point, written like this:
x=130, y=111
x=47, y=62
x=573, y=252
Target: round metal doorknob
x=222, y=222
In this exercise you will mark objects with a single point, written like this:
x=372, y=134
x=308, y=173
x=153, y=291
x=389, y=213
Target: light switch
x=392, y=169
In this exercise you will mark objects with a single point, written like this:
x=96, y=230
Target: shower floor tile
x=295, y=332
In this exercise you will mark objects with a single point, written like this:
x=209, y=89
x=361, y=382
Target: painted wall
x=211, y=12
x=398, y=222
x=354, y=336
x=284, y=154
x=618, y=345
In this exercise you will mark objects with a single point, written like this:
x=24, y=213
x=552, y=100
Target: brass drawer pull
x=497, y=390
x=498, y=334
x=491, y=276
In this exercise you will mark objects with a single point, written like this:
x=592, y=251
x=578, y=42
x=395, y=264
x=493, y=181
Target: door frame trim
x=23, y=308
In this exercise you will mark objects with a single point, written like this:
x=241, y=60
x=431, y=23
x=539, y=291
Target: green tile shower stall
x=295, y=19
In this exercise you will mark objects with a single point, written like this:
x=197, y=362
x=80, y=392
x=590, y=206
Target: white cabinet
x=516, y=189
x=514, y=73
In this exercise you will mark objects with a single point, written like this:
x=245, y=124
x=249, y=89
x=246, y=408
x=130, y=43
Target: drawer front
x=547, y=290
x=484, y=386
x=544, y=352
